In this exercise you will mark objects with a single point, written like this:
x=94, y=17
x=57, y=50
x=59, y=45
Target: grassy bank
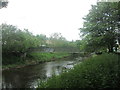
x=101, y=71
x=42, y=57
x=31, y=59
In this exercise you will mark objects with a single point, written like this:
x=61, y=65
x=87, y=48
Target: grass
x=47, y=56
x=102, y=71
x=32, y=58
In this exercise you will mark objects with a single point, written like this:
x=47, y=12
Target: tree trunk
x=110, y=48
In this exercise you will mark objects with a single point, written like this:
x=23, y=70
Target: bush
x=96, y=72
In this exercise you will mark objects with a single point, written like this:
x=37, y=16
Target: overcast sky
x=47, y=16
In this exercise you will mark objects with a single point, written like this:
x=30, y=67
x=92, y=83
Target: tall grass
x=101, y=71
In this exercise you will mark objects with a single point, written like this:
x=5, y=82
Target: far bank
x=31, y=59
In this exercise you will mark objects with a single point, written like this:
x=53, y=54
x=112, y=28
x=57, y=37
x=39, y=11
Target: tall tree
x=101, y=24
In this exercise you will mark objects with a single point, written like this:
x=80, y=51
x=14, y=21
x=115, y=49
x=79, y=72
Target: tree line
x=18, y=42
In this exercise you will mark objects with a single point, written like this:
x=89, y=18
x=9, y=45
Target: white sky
x=47, y=16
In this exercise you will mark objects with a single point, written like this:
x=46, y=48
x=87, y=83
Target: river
x=27, y=77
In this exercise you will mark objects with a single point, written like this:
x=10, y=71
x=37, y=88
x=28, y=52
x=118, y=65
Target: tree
x=16, y=43
x=57, y=40
x=41, y=39
x=101, y=24
x=16, y=40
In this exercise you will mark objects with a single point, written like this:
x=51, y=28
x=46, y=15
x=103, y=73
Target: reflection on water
x=28, y=76
x=57, y=67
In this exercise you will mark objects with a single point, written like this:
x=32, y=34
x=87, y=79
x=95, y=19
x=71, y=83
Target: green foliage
x=16, y=40
x=101, y=25
x=16, y=44
x=12, y=59
x=96, y=72
x=47, y=56
x=41, y=39
x=31, y=59
x=57, y=40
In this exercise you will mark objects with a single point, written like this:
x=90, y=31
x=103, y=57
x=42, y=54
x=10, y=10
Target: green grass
x=102, y=71
x=32, y=58
x=48, y=56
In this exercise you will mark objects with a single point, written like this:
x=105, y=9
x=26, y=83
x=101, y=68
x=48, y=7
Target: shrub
x=96, y=72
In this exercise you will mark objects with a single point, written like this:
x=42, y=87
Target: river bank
x=28, y=76
x=36, y=58
x=100, y=71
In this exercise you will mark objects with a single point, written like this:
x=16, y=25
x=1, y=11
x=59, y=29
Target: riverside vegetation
x=100, y=32
x=101, y=71
x=21, y=47
x=32, y=58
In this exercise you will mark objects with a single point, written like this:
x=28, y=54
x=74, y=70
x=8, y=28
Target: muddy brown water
x=27, y=77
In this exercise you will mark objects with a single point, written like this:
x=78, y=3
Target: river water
x=27, y=77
